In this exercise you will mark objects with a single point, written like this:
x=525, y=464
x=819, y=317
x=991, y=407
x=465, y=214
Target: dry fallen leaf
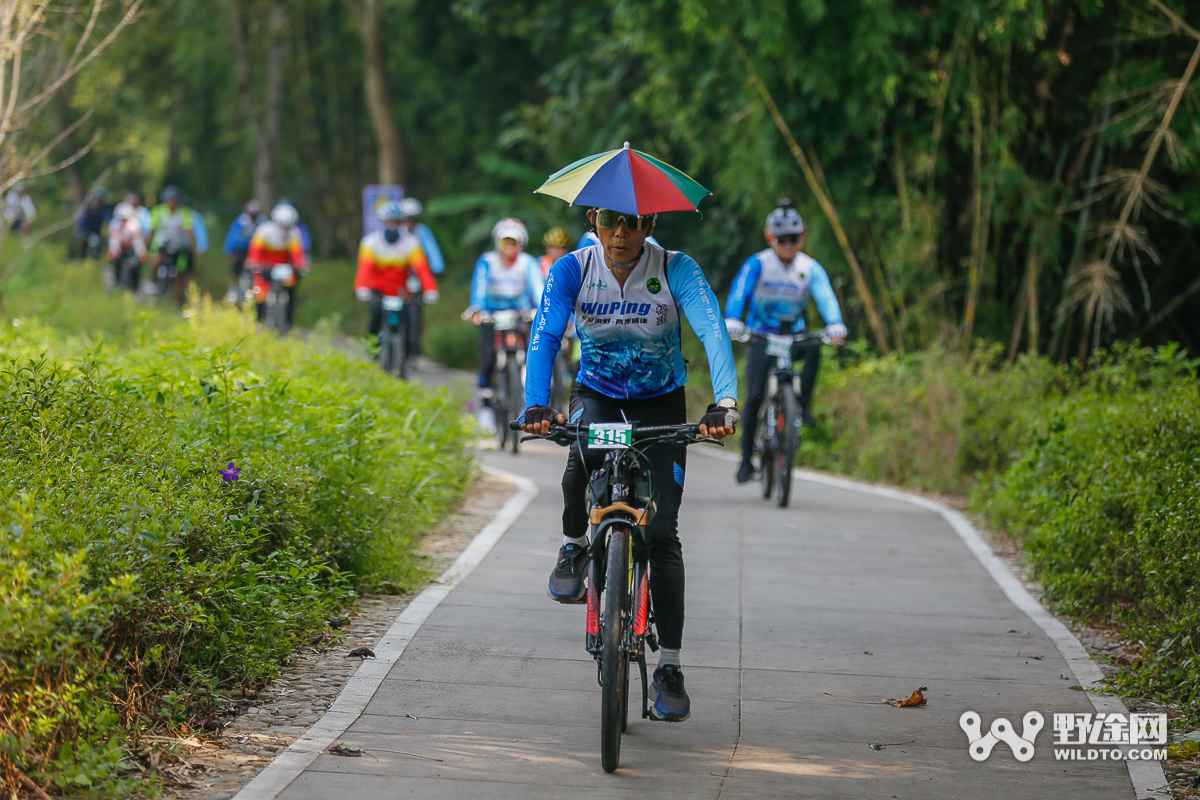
x=339, y=749
x=914, y=699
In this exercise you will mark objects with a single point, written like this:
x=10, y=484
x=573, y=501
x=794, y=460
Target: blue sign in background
x=373, y=196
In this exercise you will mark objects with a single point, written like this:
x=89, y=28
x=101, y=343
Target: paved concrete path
x=844, y=593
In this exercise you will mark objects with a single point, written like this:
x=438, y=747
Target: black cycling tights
x=758, y=364
x=667, y=462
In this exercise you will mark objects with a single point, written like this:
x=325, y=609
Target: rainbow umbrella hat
x=625, y=180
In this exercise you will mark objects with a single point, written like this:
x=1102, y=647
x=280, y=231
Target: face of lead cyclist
x=786, y=247
x=621, y=245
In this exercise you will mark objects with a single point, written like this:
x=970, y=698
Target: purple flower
x=231, y=474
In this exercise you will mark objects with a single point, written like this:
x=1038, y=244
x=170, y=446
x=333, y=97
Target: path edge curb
x=362, y=685
x=1147, y=777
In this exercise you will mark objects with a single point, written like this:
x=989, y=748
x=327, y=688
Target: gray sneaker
x=566, y=581
x=671, y=701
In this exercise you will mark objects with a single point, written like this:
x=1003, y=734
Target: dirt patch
x=250, y=729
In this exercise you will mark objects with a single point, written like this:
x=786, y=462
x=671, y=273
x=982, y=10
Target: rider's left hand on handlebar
x=836, y=333
x=430, y=297
x=718, y=422
x=537, y=419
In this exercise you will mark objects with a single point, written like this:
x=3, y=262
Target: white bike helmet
x=285, y=215
x=390, y=211
x=785, y=220
x=510, y=228
x=123, y=211
x=412, y=207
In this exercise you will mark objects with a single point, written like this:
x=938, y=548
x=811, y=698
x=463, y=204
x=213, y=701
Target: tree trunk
x=264, y=119
x=388, y=138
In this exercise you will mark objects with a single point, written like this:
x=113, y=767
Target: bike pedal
x=652, y=641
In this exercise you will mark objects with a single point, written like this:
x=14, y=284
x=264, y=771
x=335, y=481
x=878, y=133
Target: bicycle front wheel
x=515, y=392
x=614, y=659
x=400, y=349
x=500, y=403
x=785, y=439
x=766, y=453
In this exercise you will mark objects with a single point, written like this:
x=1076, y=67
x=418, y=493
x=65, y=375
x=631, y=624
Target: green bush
x=1105, y=500
x=181, y=582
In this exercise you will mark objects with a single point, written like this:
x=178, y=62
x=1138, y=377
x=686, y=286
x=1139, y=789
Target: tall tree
x=388, y=138
x=262, y=113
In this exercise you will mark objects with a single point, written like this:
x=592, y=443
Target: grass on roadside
x=136, y=581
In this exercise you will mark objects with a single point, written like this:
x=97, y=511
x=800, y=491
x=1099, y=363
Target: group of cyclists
x=621, y=294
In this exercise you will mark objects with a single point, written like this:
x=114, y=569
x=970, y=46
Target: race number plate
x=779, y=345
x=610, y=435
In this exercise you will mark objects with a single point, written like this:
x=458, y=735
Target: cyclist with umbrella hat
x=628, y=297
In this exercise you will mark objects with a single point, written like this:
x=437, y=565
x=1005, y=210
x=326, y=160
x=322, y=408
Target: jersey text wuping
x=629, y=336
x=776, y=290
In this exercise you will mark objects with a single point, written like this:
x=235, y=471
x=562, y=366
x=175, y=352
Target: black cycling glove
x=719, y=417
x=536, y=415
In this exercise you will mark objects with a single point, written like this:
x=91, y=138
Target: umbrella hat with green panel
x=625, y=180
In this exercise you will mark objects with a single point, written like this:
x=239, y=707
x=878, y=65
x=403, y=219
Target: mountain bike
x=393, y=335
x=168, y=269
x=126, y=271
x=281, y=277
x=621, y=502
x=779, y=421
x=508, y=400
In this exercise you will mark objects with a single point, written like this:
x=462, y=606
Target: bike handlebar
x=803, y=336
x=568, y=434
x=490, y=316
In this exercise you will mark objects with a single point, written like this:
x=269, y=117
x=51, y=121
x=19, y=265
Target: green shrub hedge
x=137, y=580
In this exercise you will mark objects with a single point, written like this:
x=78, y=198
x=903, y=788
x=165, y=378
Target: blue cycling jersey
x=240, y=234
x=433, y=253
x=496, y=287
x=775, y=290
x=629, y=336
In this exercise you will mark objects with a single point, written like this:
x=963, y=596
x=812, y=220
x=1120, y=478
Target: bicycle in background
x=508, y=399
x=779, y=421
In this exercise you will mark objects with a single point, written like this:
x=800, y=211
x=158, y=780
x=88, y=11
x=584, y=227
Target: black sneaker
x=566, y=581
x=671, y=703
x=745, y=472
x=807, y=419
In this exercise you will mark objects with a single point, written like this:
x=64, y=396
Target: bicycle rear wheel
x=785, y=438
x=614, y=660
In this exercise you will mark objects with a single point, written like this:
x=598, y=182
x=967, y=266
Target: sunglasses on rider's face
x=787, y=240
x=607, y=218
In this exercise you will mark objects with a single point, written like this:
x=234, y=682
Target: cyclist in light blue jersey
x=775, y=284
x=628, y=297
x=505, y=279
x=412, y=209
